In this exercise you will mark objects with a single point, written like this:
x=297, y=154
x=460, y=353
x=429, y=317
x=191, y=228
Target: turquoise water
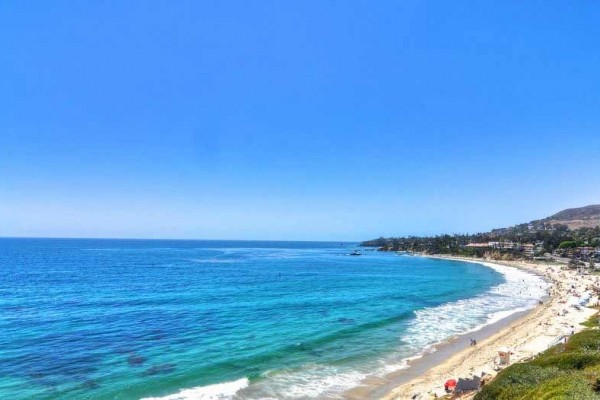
x=128, y=319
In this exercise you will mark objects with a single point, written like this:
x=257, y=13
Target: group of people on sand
x=473, y=342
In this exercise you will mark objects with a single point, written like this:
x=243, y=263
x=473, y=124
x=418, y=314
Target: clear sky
x=302, y=120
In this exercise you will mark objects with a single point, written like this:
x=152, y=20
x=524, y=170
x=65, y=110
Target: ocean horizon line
x=180, y=239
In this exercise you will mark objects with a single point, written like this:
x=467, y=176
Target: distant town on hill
x=572, y=234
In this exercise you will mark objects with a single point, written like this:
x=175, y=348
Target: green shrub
x=516, y=380
x=572, y=386
x=593, y=322
x=588, y=340
x=568, y=244
x=568, y=371
x=540, y=384
x=569, y=361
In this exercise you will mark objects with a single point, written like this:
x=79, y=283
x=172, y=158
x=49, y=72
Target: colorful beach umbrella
x=450, y=383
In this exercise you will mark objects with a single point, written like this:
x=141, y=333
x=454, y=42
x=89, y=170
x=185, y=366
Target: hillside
x=575, y=218
x=571, y=229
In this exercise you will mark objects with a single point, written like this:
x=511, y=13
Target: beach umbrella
x=450, y=383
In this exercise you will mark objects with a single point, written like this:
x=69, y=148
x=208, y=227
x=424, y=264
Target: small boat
x=355, y=253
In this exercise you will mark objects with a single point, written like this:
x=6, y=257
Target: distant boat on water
x=355, y=253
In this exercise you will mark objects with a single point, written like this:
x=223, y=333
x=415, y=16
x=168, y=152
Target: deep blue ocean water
x=128, y=319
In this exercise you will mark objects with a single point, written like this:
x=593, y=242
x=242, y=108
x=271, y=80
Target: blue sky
x=294, y=120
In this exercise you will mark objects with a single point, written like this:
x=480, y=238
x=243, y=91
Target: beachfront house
x=503, y=245
x=528, y=249
x=586, y=250
x=531, y=249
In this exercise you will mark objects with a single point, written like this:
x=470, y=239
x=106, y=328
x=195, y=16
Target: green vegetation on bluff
x=555, y=237
x=564, y=372
x=558, y=235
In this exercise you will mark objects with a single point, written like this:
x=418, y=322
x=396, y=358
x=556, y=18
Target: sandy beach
x=526, y=336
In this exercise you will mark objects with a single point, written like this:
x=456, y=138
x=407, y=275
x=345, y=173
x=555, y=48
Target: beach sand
x=525, y=334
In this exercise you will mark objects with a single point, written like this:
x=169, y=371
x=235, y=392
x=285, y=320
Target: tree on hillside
x=568, y=244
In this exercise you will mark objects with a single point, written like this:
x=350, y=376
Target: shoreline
x=419, y=366
x=438, y=352
x=526, y=333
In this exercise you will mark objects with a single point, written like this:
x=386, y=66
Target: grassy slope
x=565, y=371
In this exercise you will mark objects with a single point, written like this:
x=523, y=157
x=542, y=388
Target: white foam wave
x=388, y=368
x=520, y=292
x=310, y=381
x=219, y=391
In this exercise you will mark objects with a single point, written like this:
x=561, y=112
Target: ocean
x=179, y=319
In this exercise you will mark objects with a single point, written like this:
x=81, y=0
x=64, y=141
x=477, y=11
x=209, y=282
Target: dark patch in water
x=90, y=384
x=14, y=308
x=44, y=380
x=123, y=350
x=346, y=320
x=135, y=360
x=159, y=369
x=156, y=334
x=50, y=366
x=305, y=348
